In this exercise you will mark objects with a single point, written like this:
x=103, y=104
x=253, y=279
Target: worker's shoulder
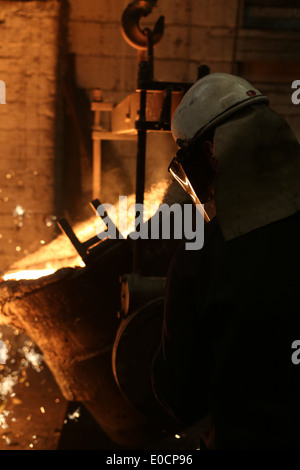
x=189, y=259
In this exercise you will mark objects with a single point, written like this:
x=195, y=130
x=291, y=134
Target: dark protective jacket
x=232, y=312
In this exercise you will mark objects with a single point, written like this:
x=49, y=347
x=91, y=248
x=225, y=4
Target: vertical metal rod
x=236, y=37
x=141, y=151
x=140, y=169
x=150, y=52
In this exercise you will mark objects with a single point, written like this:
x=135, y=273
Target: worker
x=232, y=308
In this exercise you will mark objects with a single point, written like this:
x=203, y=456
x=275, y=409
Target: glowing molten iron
x=60, y=252
x=29, y=274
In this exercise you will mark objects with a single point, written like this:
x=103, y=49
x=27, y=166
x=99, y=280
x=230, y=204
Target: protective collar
x=258, y=177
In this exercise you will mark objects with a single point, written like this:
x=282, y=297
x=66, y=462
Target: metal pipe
x=141, y=150
x=140, y=169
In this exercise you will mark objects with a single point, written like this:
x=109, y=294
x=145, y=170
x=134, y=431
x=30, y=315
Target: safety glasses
x=177, y=171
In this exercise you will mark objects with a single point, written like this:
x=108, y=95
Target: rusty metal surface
x=71, y=316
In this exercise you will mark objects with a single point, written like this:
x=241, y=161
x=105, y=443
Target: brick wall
x=28, y=63
x=195, y=32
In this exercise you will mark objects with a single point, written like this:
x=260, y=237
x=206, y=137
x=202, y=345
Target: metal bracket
x=87, y=249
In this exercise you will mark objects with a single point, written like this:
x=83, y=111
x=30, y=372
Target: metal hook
x=133, y=34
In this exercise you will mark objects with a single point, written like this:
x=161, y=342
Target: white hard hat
x=209, y=101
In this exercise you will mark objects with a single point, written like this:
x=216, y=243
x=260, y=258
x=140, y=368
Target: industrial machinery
x=98, y=326
x=149, y=108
